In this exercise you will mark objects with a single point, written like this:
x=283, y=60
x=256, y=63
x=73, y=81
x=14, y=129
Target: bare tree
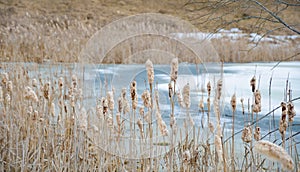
x=264, y=16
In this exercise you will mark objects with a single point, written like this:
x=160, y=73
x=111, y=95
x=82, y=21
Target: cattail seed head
x=140, y=125
x=170, y=90
x=233, y=102
x=174, y=69
x=219, y=88
x=120, y=104
x=283, y=123
x=253, y=83
x=179, y=99
x=118, y=118
x=211, y=127
x=186, y=95
x=150, y=71
x=133, y=93
x=46, y=90
x=9, y=86
x=208, y=86
x=291, y=111
x=61, y=83
x=110, y=100
x=247, y=134
x=74, y=81
x=275, y=153
x=257, y=135
x=146, y=97
x=5, y=78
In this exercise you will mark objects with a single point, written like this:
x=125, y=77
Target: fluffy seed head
x=253, y=83
x=257, y=135
x=150, y=71
x=186, y=95
x=275, y=153
x=146, y=98
x=247, y=135
x=219, y=88
x=110, y=99
x=291, y=111
x=34, y=82
x=208, y=86
x=233, y=102
x=60, y=83
x=174, y=69
x=186, y=156
x=133, y=93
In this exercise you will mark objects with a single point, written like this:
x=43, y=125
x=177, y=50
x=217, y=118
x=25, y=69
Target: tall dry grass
x=46, y=126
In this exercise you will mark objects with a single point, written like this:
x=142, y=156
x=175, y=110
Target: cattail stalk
x=233, y=106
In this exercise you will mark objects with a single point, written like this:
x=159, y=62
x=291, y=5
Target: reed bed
x=47, y=126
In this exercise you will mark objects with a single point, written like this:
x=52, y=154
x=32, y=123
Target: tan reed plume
x=257, y=102
x=174, y=69
x=219, y=88
x=208, y=86
x=146, y=97
x=257, y=135
x=253, y=83
x=133, y=93
x=150, y=71
x=161, y=124
x=233, y=102
x=247, y=134
x=186, y=95
x=291, y=111
x=275, y=153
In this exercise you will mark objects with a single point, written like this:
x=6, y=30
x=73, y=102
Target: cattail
x=104, y=105
x=257, y=135
x=186, y=95
x=34, y=82
x=283, y=123
x=243, y=108
x=150, y=71
x=208, y=86
x=99, y=109
x=60, y=83
x=219, y=88
x=275, y=153
x=291, y=111
x=74, y=81
x=179, y=99
x=9, y=86
x=247, y=134
x=29, y=94
x=233, y=102
x=186, y=156
x=83, y=120
x=173, y=123
x=46, y=90
x=253, y=83
x=170, y=90
x=257, y=102
x=120, y=104
x=5, y=78
x=126, y=107
x=133, y=93
x=174, y=69
x=118, y=118
x=146, y=97
x=140, y=125
x=110, y=100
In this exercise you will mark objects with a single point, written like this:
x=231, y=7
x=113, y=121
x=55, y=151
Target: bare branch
x=276, y=17
x=288, y=4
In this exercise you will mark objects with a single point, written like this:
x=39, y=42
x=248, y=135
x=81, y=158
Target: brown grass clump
x=275, y=153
